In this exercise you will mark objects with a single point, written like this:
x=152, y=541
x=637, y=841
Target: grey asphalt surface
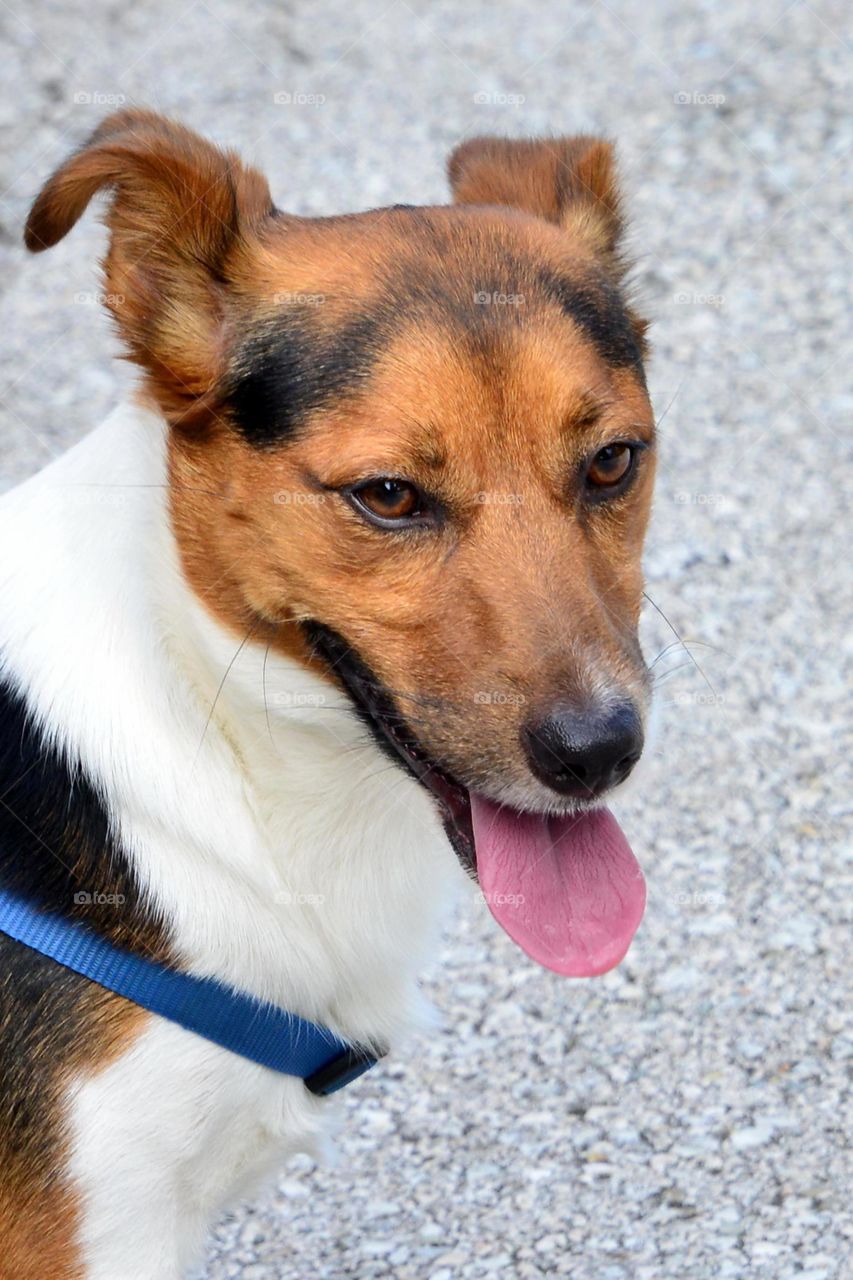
x=684, y=1116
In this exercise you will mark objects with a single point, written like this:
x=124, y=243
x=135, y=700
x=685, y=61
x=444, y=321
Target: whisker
x=664, y=676
x=239, y=650
x=677, y=644
x=264, y=691
x=665, y=651
x=658, y=421
x=396, y=717
x=680, y=640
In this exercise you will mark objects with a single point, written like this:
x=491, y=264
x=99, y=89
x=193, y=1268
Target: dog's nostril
x=625, y=766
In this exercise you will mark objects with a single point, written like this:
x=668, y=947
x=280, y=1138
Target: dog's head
x=415, y=446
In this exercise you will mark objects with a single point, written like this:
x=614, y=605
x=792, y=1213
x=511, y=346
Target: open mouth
x=566, y=888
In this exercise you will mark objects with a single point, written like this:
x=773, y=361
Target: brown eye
x=610, y=466
x=390, y=501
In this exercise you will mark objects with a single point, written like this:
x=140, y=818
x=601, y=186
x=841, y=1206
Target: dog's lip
x=453, y=798
x=376, y=706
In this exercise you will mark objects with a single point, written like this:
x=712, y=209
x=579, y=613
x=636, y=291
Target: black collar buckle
x=340, y=1071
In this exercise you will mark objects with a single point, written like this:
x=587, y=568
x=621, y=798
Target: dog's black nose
x=581, y=754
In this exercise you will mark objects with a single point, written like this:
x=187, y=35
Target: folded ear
x=181, y=214
x=569, y=181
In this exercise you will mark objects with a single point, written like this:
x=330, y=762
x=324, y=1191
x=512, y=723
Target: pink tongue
x=569, y=891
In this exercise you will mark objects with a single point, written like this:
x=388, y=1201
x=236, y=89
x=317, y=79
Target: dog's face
x=414, y=446
x=463, y=500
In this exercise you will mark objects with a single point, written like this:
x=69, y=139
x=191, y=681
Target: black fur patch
x=599, y=310
x=44, y=1016
x=56, y=850
x=286, y=372
x=56, y=846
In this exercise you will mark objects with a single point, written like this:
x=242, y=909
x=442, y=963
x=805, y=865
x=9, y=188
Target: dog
x=336, y=615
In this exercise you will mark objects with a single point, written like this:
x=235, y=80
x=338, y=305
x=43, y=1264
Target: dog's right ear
x=569, y=181
x=181, y=215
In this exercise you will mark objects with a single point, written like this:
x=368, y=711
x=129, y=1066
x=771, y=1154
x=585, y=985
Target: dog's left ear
x=183, y=219
x=568, y=181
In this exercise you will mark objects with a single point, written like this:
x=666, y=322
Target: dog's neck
x=284, y=852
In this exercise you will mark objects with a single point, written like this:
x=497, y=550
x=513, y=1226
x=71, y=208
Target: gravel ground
x=684, y=1116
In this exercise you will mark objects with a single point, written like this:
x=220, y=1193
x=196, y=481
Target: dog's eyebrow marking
x=597, y=308
x=290, y=369
x=429, y=456
x=584, y=411
x=419, y=443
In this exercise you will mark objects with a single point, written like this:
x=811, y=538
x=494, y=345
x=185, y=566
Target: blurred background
x=684, y=1116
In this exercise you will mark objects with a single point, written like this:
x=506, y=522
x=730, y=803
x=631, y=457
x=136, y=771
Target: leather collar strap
x=261, y=1032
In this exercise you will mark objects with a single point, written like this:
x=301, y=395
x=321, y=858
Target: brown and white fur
x=180, y=767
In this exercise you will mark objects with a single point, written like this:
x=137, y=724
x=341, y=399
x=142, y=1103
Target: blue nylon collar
x=261, y=1032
